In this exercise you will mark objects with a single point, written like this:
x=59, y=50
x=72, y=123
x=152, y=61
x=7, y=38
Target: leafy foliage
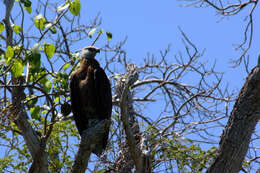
x=17, y=29
x=74, y=7
x=17, y=68
x=27, y=3
x=9, y=52
x=40, y=21
x=109, y=36
x=2, y=27
x=35, y=112
x=49, y=49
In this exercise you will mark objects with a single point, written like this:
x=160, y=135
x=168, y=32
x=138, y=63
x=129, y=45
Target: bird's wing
x=76, y=105
x=104, y=95
x=74, y=93
x=104, y=103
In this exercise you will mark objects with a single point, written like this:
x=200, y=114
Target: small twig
x=96, y=39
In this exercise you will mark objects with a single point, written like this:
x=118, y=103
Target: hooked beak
x=98, y=50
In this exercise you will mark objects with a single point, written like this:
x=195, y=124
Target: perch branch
x=88, y=139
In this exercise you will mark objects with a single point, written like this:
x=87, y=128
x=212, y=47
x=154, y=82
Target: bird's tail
x=100, y=146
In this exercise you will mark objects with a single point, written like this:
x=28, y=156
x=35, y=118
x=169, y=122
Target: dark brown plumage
x=91, y=97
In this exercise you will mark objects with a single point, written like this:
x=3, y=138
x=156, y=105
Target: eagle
x=91, y=98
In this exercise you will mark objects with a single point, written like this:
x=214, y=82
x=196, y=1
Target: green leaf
x=35, y=62
x=101, y=31
x=26, y=3
x=32, y=102
x=49, y=50
x=9, y=52
x=61, y=81
x=91, y=33
x=109, y=36
x=56, y=99
x=34, y=59
x=2, y=27
x=17, y=68
x=28, y=9
x=35, y=112
x=66, y=66
x=63, y=7
x=53, y=30
x=17, y=29
x=74, y=7
x=47, y=85
x=39, y=22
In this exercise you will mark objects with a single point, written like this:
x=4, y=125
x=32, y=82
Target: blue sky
x=151, y=26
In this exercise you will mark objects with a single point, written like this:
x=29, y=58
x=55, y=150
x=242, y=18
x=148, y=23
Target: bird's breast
x=88, y=92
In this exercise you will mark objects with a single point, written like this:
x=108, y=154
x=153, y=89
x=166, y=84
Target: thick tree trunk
x=240, y=127
x=19, y=117
x=18, y=114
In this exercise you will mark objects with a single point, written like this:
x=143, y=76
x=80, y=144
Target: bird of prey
x=91, y=98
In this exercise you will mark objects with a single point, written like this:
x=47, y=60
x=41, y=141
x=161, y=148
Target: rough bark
x=139, y=156
x=18, y=114
x=124, y=162
x=89, y=137
x=236, y=137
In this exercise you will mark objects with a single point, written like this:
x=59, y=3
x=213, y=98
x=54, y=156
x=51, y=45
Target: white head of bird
x=89, y=52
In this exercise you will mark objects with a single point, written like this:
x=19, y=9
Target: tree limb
x=139, y=155
x=89, y=138
x=236, y=137
x=19, y=115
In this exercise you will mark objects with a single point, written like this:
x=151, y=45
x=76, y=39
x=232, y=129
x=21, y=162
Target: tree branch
x=139, y=155
x=235, y=139
x=89, y=137
x=19, y=115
